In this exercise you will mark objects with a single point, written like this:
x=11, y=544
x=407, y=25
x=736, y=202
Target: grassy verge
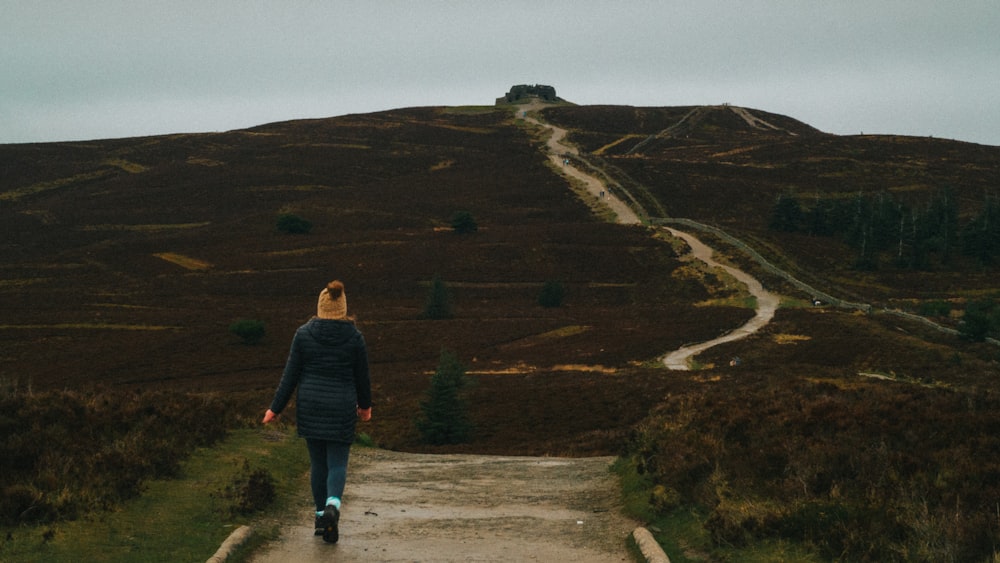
x=183, y=519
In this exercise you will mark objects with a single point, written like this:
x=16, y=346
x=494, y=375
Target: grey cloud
x=117, y=68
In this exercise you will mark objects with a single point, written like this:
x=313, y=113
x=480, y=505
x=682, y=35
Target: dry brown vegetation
x=67, y=453
x=124, y=262
x=719, y=170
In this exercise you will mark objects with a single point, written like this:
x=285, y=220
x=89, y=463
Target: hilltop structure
x=524, y=92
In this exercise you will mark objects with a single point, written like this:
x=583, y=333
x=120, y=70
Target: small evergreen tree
x=438, y=304
x=463, y=223
x=443, y=418
x=552, y=294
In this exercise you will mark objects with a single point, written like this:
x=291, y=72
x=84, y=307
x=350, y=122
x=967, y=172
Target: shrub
x=365, y=440
x=463, y=223
x=23, y=503
x=858, y=473
x=64, y=453
x=252, y=490
x=443, y=418
x=935, y=308
x=251, y=331
x=293, y=224
x=979, y=320
x=438, y=304
x=552, y=294
x=975, y=326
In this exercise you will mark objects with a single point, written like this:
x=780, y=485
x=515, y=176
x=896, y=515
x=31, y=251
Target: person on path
x=328, y=363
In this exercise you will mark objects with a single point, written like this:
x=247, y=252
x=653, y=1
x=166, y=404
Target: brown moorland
x=712, y=164
x=125, y=261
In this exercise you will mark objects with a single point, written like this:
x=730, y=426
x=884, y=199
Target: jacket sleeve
x=362, y=378
x=290, y=377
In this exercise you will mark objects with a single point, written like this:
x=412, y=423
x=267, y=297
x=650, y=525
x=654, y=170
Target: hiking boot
x=329, y=521
x=319, y=526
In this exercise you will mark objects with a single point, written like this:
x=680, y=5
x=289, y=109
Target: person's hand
x=365, y=414
x=269, y=416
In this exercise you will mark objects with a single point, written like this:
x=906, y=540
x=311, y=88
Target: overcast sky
x=86, y=69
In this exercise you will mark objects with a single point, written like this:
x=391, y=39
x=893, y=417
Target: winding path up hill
x=450, y=508
x=767, y=302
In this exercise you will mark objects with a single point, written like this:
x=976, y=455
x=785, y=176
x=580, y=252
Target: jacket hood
x=331, y=332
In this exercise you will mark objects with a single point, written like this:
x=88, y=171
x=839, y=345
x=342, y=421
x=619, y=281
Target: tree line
x=884, y=231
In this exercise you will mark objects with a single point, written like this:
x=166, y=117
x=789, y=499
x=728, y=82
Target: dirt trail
x=595, y=186
x=767, y=304
x=450, y=508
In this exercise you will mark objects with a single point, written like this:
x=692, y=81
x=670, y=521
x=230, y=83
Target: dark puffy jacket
x=328, y=363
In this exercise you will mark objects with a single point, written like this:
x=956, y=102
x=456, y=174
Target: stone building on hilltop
x=524, y=92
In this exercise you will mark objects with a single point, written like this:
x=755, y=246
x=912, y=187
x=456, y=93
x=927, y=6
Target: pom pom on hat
x=332, y=302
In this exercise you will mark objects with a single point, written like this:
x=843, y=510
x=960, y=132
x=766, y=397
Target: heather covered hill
x=622, y=130
x=124, y=263
x=126, y=260
x=900, y=207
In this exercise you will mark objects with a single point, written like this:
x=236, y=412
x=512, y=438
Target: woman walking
x=328, y=363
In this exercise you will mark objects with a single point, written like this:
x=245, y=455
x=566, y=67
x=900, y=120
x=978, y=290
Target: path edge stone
x=651, y=550
x=234, y=540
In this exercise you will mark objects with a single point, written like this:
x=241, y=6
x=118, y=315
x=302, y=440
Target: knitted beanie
x=332, y=302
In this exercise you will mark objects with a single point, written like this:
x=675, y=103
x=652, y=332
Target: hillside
x=125, y=261
x=728, y=166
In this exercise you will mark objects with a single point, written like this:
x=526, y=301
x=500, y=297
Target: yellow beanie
x=332, y=302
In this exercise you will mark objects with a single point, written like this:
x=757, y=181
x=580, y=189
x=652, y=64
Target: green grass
x=183, y=519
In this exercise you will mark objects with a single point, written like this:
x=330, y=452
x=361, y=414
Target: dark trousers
x=328, y=469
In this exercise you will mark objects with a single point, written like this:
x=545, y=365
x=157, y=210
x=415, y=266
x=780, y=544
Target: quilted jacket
x=328, y=363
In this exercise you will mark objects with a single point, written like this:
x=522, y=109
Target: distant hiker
x=328, y=363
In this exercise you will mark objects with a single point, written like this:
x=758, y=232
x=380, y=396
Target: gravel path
x=450, y=508
x=625, y=214
x=767, y=304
